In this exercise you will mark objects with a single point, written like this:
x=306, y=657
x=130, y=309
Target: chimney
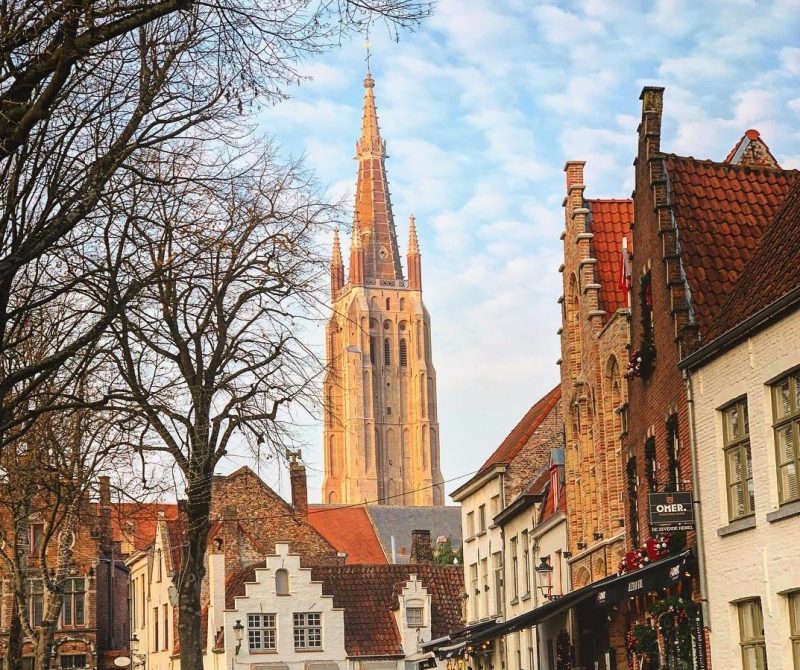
x=421, y=549
x=216, y=589
x=652, y=98
x=105, y=535
x=297, y=475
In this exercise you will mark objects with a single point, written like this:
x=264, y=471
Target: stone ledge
x=784, y=512
x=737, y=526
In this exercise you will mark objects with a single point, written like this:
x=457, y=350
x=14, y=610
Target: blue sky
x=480, y=108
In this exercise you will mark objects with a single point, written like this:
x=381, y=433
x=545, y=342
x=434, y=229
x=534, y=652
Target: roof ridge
x=730, y=166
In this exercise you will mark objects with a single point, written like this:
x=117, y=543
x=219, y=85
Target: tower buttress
x=337, y=266
x=356, y=258
x=414, y=258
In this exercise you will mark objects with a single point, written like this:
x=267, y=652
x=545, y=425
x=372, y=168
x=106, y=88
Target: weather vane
x=366, y=46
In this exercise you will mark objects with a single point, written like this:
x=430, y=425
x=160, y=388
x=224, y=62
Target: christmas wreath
x=672, y=615
x=641, y=361
x=642, y=640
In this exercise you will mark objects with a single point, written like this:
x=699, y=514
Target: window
x=633, y=504
x=36, y=539
x=387, y=352
x=738, y=464
x=481, y=518
x=495, y=506
x=497, y=564
x=514, y=574
x=786, y=410
x=72, y=661
x=474, y=591
x=72, y=611
x=526, y=572
x=36, y=602
x=165, y=609
x=282, y=582
x=794, y=627
x=261, y=634
x=143, y=622
x=307, y=630
x=751, y=633
x=673, y=454
x=157, y=561
x=650, y=463
x=372, y=347
x=403, y=352
x=155, y=628
x=415, y=617
x=470, y=524
x=485, y=580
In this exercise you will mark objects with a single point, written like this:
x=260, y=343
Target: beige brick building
x=381, y=436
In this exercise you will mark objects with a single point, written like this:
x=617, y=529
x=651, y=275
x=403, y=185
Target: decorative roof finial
x=367, y=46
x=413, y=244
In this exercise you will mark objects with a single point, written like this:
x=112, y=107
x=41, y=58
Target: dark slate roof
x=773, y=271
x=391, y=520
x=721, y=211
x=611, y=221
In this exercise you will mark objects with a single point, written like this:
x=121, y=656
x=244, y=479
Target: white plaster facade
x=756, y=556
x=152, y=614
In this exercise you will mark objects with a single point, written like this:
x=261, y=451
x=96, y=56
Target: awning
x=535, y=616
x=451, y=651
x=451, y=645
x=661, y=573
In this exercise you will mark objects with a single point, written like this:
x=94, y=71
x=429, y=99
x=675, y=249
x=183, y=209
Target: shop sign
x=671, y=512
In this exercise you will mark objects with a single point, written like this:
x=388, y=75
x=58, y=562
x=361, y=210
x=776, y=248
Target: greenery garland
x=642, y=641
x=563, y=651
x=672, y=616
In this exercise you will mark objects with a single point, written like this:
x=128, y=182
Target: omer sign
x=671, y=511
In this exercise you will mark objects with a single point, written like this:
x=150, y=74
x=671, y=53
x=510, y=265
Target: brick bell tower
x=381, y=430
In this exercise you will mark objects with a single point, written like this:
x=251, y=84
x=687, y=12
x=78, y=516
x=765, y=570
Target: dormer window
x=415, y=616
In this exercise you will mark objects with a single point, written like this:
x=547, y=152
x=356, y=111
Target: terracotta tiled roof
x=611, y=221
x=367, y=594
x=135, y=523
x=349, y=529
x=772, y=272
x=517, y=438
x=721, y=211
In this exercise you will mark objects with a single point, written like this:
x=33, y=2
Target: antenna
x=366, y=46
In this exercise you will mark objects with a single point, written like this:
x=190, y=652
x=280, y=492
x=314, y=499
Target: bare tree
x=89, y=86
x=210, y=351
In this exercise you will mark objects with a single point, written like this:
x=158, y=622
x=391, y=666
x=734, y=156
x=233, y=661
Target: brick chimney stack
x=297, y=476
x=421, y=549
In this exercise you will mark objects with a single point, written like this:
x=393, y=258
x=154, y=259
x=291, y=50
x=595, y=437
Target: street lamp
x=140, y=658
x=238, y=633
x=545, y=572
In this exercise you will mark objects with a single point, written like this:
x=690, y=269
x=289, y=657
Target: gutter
x=742, y=330
x=696, y=502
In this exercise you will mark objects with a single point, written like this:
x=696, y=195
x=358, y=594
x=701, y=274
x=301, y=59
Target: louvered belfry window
x=786, y=413
x=738, y=461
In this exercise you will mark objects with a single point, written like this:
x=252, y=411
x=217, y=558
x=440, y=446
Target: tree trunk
x=193, y=570
x=14, y=653
x=43, y=648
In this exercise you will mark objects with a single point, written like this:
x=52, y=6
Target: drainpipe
x=698, y=517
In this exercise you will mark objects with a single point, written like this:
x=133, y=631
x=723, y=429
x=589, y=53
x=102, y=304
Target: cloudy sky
x=480, y=109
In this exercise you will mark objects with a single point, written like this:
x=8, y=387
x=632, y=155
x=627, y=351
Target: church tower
x=381, y=429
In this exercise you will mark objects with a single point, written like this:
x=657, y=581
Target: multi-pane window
x=673, y=454
x=474, y=591
x=497, y=564
x=738, y=461
x=156, y=636
x=415, y=617
x=514, y=568
x=36, y=612
x=470, y=524
x=261, y=635
x=481, y=518
x=71, y=661
x=794, y=627
x=495, y=505
x=307, y=630
x=485, y=579
x=786, y=410
x=751, y=635
x=526, y=558
x=72, y=611
x=165, y=609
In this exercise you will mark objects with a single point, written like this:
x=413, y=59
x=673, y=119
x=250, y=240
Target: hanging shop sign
x=671, y=511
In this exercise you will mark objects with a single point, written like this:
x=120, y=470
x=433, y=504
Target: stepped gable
x=348, y=529
x=773, y=270
x=519, y=436
x=721, y=211
x=751, y=150
x=611, y=220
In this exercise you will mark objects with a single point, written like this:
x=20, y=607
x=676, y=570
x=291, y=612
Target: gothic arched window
x=403, y=352
x=387, y=352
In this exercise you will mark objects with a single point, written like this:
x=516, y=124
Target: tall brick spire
x=373, y=206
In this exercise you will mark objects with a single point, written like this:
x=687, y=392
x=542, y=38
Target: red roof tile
x=611, y=221
x=522, y=432
x=773, y=271
x=348, y=529
x=368, y=595
x=721, y=211
x=135, y=523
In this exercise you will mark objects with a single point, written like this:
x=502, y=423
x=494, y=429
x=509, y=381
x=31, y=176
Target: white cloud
x=790, y=59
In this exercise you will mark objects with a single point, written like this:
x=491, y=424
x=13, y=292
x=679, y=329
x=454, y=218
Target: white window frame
x=262, y=632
